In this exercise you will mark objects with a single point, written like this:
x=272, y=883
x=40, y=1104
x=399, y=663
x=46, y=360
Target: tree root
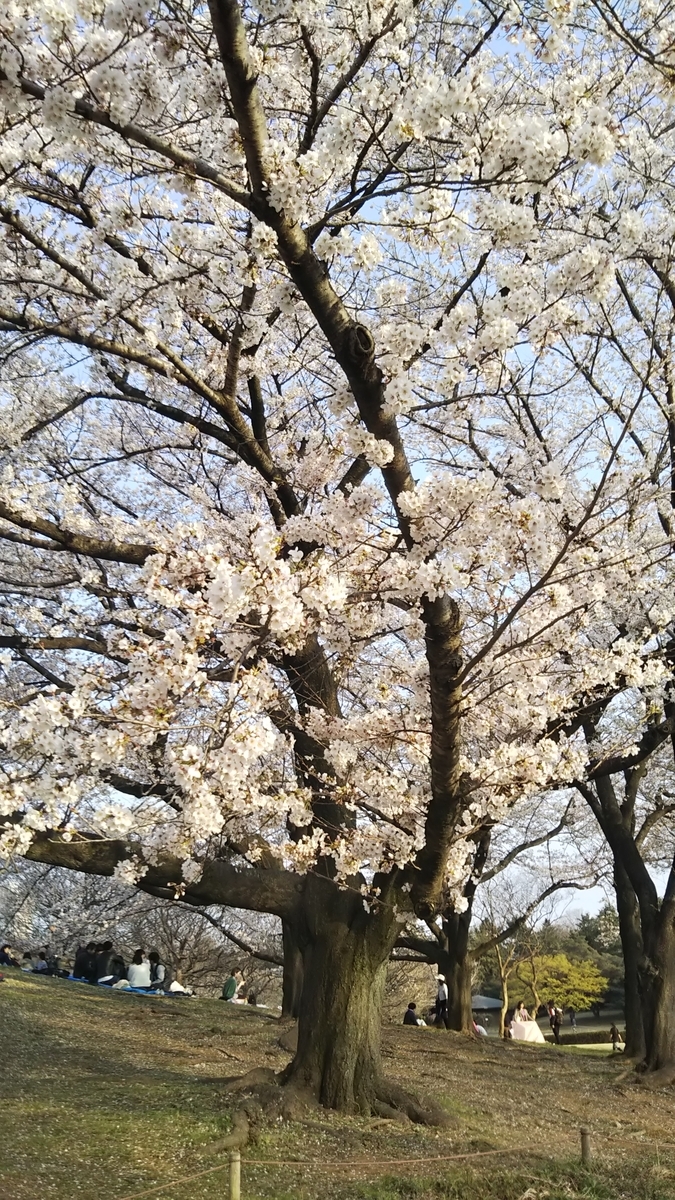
x=662, y=1078
x=263, y=1092
x=289, y=1040
x=258, y=1077
x=398, y=1103
x=241, y=1131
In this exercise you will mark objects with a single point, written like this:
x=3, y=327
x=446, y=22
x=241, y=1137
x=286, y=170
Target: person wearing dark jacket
x=555, y=1020
x=6, y=957
x=159, y=976
x=410, y=1016
x=103, y=957
x=85, y=966
x=109, y=964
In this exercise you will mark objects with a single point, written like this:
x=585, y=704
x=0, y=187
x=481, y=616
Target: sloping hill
x=108, y=1095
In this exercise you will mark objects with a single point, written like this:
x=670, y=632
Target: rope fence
x=303, y=1164
x=235, y=1162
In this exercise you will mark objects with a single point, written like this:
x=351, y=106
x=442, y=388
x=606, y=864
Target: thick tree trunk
x=345, y=955
x=657, y=986
x=456, y=964
x=345, y=952
x=631, y=946
x=293, y=971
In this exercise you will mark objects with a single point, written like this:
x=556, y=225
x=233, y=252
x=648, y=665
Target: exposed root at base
x=241, y=1131
x=401, y=1103
x=662, y=1078
x=263, y=1093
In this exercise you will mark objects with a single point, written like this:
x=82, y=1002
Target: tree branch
x=269, y=890
x=76, y=543
x=232, y=937
x=130, y=132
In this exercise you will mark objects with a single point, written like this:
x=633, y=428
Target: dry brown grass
x=106, y=1094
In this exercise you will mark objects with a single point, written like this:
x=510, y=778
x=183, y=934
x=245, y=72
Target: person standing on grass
x=442, y=1003
x=616, y=1040
x=554, y=1020
x=573, y=1018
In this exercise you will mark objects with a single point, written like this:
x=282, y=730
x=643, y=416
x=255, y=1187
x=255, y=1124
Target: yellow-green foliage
x=555, y=977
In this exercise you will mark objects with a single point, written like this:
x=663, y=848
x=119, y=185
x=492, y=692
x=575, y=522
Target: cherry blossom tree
x=317, y=537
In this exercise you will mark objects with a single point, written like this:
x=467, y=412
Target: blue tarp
x=136, y=991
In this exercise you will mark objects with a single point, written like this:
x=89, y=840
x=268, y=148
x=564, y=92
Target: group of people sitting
x=100, y=963
x=42, y=963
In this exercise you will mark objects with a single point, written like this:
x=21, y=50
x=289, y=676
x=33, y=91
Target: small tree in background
x=577, y=985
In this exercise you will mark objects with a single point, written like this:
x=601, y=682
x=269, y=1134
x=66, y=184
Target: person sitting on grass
x=229, y=988
x=410, y=1016
x=7, y=956
x=138, y=972
x=159, y=976
x=41, y=966
x=85, y=963
x=234, y=988
x=110, y=966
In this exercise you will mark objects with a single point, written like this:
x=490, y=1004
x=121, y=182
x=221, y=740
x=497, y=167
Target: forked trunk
x=293, y=971
x=631, y=946
x=345, y=956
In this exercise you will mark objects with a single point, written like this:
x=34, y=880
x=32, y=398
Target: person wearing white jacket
x=138, y=971
x=442, y=1002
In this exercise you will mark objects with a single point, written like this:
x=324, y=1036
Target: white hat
x=441, y=977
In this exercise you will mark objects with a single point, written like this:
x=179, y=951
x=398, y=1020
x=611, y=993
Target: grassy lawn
x=109, y=1095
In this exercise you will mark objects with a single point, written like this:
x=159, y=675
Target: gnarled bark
x=456, y=963
x=656, y=962
x=631, y=946
x=345, y=954
x=657, y=987
x=345, y=950
x=267, y=889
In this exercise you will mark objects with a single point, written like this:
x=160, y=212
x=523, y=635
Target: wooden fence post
x=235, y=1175
x=585, y=1147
